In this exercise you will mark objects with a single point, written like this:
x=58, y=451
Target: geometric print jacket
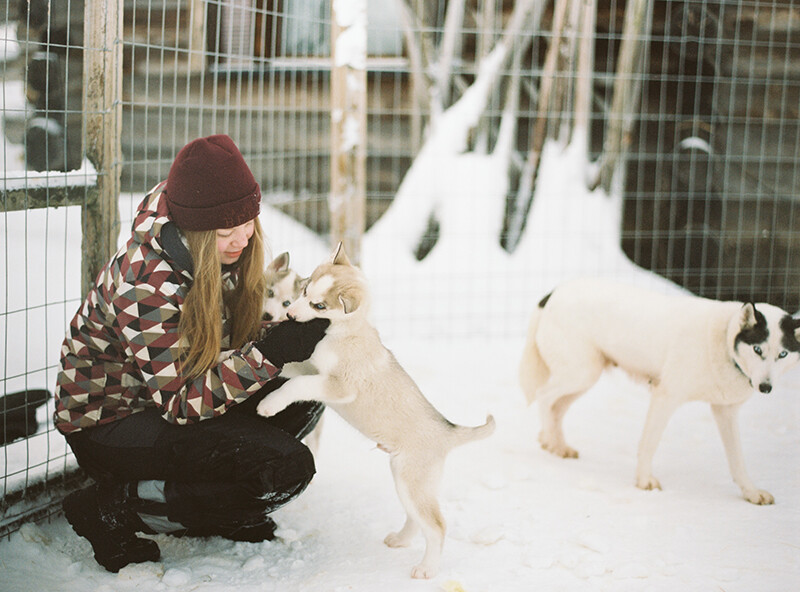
x=122, y=351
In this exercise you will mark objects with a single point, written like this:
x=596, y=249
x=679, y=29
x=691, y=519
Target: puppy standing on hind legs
x=363, y=382
x=687, y=348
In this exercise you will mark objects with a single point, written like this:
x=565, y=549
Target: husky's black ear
x=747, y=316
x=796, y=324
x=339, y=257
x=280, y=263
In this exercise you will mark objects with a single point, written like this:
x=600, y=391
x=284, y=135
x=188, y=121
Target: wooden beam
x=47, y=189
x=197, y=36
x=347, y=200
x=102, y=108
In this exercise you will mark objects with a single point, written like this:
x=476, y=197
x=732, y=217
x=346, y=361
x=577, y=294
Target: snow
x=518, y=518
x=9, y=46
x=351, y=42
x=84, y=176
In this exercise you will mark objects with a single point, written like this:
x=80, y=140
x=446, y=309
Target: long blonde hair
x=200, y=324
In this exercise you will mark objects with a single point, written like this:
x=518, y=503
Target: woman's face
x=232, y=241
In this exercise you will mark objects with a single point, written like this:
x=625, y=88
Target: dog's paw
x=561, y=450
x=423, y=572
x=267, y=407
x=759, y=497
x=395, y=540
x=648, y=483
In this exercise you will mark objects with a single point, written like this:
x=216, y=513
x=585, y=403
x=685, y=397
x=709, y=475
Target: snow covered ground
x=518, y=518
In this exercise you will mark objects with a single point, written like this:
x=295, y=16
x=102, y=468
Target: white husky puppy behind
x=363, y=382
x=687, y=348
x=283, y=288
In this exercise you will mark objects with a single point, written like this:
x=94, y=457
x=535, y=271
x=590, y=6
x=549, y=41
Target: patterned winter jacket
x=122, y=350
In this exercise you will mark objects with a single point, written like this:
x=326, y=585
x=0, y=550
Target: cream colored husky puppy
x=686, y=348
x=363, y=382
x=283, y=288
x=284, y=285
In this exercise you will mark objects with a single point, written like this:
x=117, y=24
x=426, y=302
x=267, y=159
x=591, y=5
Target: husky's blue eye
x=318, y=305
x=270, y=293
x=286, y=303
x=783, y=354
x=757, y=349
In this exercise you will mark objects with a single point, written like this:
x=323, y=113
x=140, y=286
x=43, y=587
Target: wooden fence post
x=347, y=200
x=102, y=108
x=197, y=37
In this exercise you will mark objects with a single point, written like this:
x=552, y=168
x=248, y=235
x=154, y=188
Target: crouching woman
x=164, y=364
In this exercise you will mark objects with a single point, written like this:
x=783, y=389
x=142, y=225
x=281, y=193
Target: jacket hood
x=153, y=226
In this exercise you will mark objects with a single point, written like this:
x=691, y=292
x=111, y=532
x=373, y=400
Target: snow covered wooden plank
x=348, y=195
x=25, y=190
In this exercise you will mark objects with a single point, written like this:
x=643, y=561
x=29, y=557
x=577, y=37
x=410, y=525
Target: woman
x=164, y=364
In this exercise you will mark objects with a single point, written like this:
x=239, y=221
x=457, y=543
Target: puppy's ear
x=280, y=263
x=335, y=253
x=350, y=302
x=339, y=257
x=747, y=316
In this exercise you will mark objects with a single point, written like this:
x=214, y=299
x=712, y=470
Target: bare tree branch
x=543, y=111
x=420, y=83
x=627, y=86
x=583, y=88
x=450, y=42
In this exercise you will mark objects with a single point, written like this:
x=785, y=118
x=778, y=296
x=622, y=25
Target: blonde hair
x=200, y=324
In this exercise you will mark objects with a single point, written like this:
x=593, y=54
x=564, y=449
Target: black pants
x=228, y=471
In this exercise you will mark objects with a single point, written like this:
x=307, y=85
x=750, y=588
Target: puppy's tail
x=464, y=434
x=533, y=372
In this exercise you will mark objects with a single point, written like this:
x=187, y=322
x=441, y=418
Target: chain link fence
x=690, y=112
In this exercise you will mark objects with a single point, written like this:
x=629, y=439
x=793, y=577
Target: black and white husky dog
x=685, y=347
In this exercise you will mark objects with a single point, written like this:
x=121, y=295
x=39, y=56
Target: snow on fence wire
x=510, y=143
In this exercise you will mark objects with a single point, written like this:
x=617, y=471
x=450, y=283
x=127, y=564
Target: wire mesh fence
x=688, y=112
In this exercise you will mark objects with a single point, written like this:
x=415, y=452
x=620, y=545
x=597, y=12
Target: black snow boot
x=255, y=533
x=105, y=514
x=252, y=533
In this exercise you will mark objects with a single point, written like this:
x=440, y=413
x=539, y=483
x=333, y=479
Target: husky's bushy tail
x=533, y=372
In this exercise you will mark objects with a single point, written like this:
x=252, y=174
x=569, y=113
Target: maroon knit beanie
x=210, y=186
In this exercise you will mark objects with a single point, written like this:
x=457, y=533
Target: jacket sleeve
x=149, y=327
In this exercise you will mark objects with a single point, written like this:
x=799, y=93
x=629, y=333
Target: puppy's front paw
x=268, y=407
x=759, y=497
